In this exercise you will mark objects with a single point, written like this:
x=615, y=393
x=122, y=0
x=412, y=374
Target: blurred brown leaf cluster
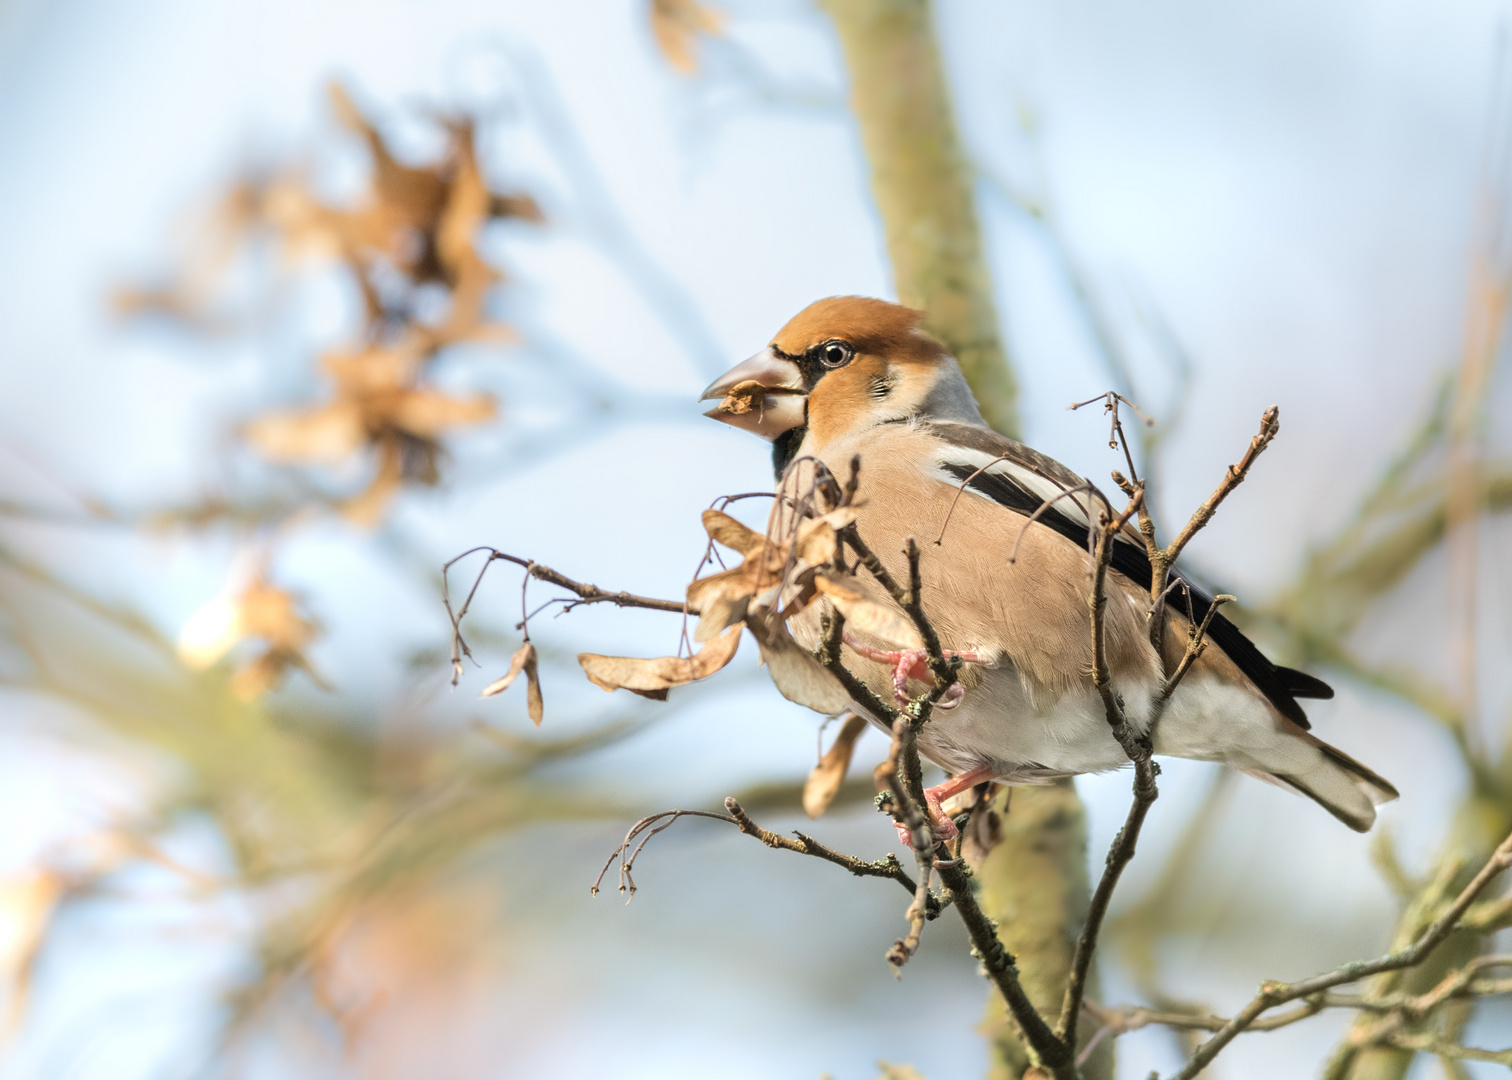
x=677, y=26
x=259, y=612
x=410, y=243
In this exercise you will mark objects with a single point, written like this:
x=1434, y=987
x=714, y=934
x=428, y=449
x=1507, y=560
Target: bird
x=856, y=377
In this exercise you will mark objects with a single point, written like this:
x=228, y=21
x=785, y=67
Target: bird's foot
x=941, y=826
x=940, y=823
x=912, y=664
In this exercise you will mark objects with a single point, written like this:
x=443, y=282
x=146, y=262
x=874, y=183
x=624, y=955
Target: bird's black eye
x=833, y=354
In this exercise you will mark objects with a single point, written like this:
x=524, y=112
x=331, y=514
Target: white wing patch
x=1041, y=487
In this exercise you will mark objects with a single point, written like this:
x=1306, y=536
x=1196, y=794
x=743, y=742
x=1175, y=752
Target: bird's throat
x=785, y=448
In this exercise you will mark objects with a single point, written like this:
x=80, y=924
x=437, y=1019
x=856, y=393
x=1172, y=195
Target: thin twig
x=914, y=605
x=1273, y=994
x=647, y=827
x=644, y=825
x=1051, y=1052
x=911, y=812
x=586, y=594
x=1270, y=424
x=1040, y=509
x=1116, y=437
x=1196, y=644
x=1045, y=1048
x=888, y=868
x=1122, y=850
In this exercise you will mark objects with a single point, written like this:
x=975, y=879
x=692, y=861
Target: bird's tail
x=1328, y=776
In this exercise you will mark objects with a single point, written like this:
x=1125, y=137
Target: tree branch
x=648, y=827
x=1273, y=994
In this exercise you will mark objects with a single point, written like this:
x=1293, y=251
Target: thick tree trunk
x=923, y=188
x=1034, y=881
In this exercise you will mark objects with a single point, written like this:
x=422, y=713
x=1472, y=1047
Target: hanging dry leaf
x=258, y=610
x=259, y=675
x=797, y=675
x=657, y=675
x=816, y=543
x=733, y=534
x=824, y=781
x=721, y=600
x=272, y=614
x=412, y=231
x=373, y=370
x=367, y=509
x=467, y=203
x=429, y=413
x=327, y=435
x=416, y=195
x=868, y=615
x=523, y=654
x=534, y=705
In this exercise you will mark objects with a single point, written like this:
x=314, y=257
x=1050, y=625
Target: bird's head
x=839, y=366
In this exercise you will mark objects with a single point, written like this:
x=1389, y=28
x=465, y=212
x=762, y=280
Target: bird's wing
x=1022, y=480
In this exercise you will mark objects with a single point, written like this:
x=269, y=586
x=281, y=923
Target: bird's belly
x=999, y=725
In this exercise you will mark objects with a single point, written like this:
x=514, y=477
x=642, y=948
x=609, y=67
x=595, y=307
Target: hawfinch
x=855, y=376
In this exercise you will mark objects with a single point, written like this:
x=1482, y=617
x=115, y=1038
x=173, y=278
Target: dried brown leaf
x=722, y=599
x=430, y=413
x=327, y=435
x=524, y=654
x=373, y=370
x=733, y=534
x=824, y=781
x=272, y=614
x=816, y=543
x=265, y=672
x=534, y=705
x=467, y=204
x=797, y=675
x=660, y=673
x=367, y=509
x=867, y=615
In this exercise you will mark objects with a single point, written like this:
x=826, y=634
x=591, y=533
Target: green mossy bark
x=923, y=187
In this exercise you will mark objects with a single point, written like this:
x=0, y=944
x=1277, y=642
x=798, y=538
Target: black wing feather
x=1281, y=686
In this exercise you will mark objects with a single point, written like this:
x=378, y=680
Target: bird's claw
x=913, y=664
x=941, y=826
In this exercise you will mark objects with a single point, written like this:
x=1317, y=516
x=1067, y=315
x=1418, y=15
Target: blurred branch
x=1108, y=341
x=606, y=226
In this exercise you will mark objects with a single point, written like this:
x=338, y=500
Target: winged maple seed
x=524, y=660
x=823, y=783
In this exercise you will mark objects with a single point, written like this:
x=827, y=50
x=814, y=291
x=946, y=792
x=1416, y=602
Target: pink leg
x=943, y=828
x=912, y=664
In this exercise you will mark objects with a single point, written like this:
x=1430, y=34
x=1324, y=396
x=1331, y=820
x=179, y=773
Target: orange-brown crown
x=869, y=325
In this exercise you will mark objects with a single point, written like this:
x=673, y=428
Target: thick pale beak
x=763, y=394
